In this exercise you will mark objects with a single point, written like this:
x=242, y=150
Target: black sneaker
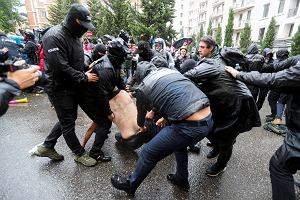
x=185, y=185
x=215, y=170
x=122, y=183
x=213, y=153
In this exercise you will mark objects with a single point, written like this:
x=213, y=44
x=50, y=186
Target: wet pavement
x=23, y=176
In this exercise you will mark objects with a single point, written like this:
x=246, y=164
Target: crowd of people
x=181, y=98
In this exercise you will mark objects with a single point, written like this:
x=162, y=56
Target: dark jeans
x=284, y=163
x=173, y=138
x=66, y=107
x=281, y=105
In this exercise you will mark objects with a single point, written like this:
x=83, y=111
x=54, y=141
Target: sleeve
x=288, y=79
x=202, y=72
x=103, y=85
x=8, y=89
x=142, y=105
x=278, y=66
x=56, y=55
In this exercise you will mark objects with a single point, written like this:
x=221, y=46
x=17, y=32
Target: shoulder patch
x=53, y=49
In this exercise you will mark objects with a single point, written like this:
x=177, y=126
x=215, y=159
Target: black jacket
x=289, y=81
x=64, y=59
x=104, y=88
x=278, y=66
x=171, y=94
x=8, y=89
x=232, y=105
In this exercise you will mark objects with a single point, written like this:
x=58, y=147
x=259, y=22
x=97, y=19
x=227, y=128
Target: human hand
x=161, y=122
x=4, y=50
x=25, y=77
x=142, y=129
x=92, y=77
x=150, y=115
x=232, y=71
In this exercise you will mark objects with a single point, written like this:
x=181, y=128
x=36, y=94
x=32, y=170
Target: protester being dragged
x=233, y=107
x=286, y=160
x=184, y=106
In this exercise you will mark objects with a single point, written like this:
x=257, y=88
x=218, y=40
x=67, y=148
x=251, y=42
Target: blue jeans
x=173, y=138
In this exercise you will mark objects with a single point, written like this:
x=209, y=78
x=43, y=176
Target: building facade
x=257, y=13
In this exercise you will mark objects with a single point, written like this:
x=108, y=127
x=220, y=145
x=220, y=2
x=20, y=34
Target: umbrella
x=182, y=41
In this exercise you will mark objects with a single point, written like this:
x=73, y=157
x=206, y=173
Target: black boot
x=122, y=183
x=213, y=153
x=185, y=185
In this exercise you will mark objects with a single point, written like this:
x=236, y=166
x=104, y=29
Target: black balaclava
x=76, y=29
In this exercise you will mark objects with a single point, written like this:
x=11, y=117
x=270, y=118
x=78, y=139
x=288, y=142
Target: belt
x=191, y=123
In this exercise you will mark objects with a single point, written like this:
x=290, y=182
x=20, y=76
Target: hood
x=282, y=54
x=253, y=49
x=159, y=62
x=143, y=69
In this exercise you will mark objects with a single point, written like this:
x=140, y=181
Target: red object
x=89, y=33
x=41, y=56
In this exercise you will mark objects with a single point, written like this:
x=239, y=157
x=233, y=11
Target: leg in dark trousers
x=66, y=106
x=283, y=164
x=263, y=92
x=272, y=99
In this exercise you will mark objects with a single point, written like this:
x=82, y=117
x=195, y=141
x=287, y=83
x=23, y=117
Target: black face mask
x=75, y=28
x=116, y=61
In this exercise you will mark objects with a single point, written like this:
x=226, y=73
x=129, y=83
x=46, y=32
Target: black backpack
x=233, y=56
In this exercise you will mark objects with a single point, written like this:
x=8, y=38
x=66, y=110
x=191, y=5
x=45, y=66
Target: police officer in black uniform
x=64, y=61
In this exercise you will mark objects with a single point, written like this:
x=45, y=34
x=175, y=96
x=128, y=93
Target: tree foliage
x=209, y=28
x=9, y=16
x=200, y=34
x=58, y=11
x=245, y=38
x=156, y=19
x=229, y=29
x=219, y=35
x=296, y=43
x=270, y=36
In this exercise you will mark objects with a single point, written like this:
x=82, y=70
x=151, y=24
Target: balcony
x=240, y=24
x=216, y=15
x=217, y=2
x=243, y=5
x=292, y=12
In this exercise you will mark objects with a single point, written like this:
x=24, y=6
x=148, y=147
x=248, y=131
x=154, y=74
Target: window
x=266, y=10
x=237, y=38
x=248, y=15
x=180, y=23
x=240, y=19
x=181, y=14
x=261, y=33
x=281, y=6
x=276, y=29
x=181, y=6
x=291, y=30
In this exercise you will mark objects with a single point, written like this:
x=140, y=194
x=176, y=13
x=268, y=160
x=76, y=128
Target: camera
x=12, y=66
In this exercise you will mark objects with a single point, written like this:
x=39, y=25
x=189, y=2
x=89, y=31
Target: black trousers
x=66, y=106
x=284, y=163
x=272, y=99
x=263, y=92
